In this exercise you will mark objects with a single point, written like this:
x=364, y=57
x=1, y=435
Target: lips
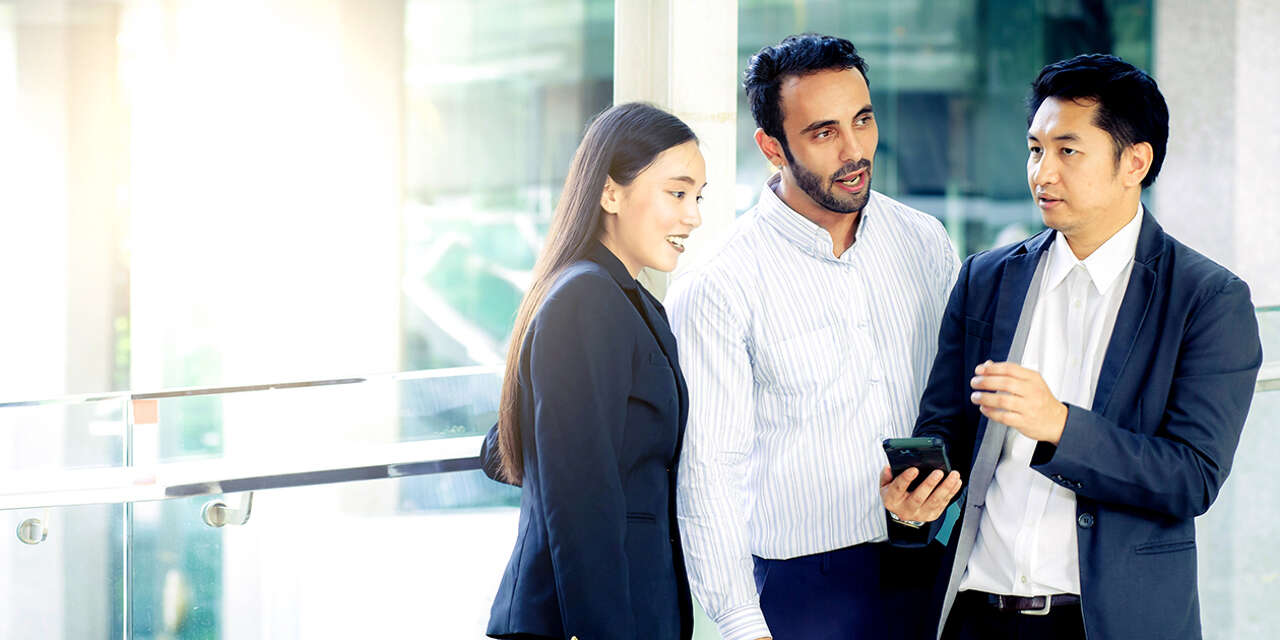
x=853, y=181
x=1046, y=201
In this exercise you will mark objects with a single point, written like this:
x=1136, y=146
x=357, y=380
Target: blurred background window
x=948, y=81
x=497, y=96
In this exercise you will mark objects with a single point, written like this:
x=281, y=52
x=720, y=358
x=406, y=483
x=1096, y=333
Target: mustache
x=850, y=168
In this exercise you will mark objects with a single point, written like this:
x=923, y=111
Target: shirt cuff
x=743, y=623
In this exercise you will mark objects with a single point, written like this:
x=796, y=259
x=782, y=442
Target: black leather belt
x=1026, y=605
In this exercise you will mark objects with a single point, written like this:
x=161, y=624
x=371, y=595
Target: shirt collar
x=801, y=231
x=602, y=256
x=1104, y=265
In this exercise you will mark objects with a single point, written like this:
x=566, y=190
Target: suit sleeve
x=944, y=406
x=1179, y=469
x=580, y=370
x=712, y=489
x=945, y=410
x=491, y=456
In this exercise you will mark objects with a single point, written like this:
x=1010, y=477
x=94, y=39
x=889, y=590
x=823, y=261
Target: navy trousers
x=865, y=591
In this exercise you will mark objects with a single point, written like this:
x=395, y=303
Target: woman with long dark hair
x=593, y=402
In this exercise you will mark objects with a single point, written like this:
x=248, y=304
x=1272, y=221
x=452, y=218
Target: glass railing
x=326, y=509
x=352, y=508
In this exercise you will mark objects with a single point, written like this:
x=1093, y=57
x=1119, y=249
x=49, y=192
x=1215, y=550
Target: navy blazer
x=1154, y=449
x=602, y=411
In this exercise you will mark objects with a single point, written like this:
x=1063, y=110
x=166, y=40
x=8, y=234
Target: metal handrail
x=293, y=384
x=164, y=481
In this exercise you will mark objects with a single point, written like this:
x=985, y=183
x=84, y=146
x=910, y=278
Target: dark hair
x=620, y=143
x=1130, y=106
x=795, y=55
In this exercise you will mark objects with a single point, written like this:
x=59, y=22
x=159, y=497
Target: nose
x=693, y=215
x=1043, y=171
x=850, y=148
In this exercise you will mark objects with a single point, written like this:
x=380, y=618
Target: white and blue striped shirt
x=798, y=363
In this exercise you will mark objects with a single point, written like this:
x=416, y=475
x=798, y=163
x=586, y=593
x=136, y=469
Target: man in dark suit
x=1091, y=383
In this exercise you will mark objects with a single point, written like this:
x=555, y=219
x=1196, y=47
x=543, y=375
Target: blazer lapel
x=1133, y=309
x=1015, y=278
x=656, y=317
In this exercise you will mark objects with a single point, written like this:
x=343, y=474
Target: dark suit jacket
x=602, y=414
x=1154, y=449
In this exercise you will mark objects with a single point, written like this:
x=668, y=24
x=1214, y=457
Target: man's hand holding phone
x=927, y=502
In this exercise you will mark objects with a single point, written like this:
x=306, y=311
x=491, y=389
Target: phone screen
x=925, y=454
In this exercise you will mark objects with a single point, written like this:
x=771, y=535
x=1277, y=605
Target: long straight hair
x=620, y=143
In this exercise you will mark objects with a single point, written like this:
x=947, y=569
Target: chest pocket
x=802, y=364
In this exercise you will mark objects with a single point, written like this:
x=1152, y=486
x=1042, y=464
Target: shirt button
x=1023, y=579
x=1085, y=520
x=1075, y=304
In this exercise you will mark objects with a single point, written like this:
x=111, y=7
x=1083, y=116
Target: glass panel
x=333, y=561
x=1239, y=559
x=60, y=434
x=184, y=577
x=506, y=88
x=70, y=586
x=266, y=425
x=948, y=80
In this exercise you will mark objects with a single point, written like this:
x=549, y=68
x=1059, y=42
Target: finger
x=941, y=497
x=894, y=494
x=1005, y=401
x=1006, y=384
x=1008, y=418
x=886, y=476
x=1011, y=369
x=904, y=480
x=921, y=494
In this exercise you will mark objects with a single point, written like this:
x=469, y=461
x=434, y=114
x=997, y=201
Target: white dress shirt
x=1026, y=544
x=798, y=363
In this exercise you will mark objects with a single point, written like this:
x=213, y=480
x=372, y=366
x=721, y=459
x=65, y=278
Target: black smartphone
x=926, y=454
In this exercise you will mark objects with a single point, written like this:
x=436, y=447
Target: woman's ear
x=610, y=196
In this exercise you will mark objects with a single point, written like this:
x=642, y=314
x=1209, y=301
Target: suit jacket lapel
x=1019, y=284
x=1017, y=274
x=1016, y=277
x=1133, y=309
x=656, y=317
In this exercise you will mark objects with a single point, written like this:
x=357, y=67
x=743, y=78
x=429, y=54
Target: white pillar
x=682, y=56
x=1215, y=63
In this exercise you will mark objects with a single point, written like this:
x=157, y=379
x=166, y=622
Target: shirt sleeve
x=712, y=480
x=946, y=260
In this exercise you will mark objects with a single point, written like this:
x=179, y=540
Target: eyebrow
x=687, y=179
x=826, y=123
x=1066, y=137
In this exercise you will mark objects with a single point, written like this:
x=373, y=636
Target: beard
x=823, y=191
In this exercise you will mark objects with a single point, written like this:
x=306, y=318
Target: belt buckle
x=1048, y=604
